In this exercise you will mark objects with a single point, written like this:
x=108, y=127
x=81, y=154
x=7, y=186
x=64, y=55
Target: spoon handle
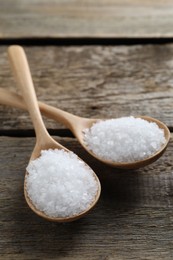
x=23, y=78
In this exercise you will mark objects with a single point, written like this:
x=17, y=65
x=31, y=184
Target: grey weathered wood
x=99, y=18
x=133, y=219
x=96, y=81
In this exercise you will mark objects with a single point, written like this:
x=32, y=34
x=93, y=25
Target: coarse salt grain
x=125, y=139
x=60, y=184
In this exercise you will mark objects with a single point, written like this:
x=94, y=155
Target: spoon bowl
x=144, y=162
x=43, y=140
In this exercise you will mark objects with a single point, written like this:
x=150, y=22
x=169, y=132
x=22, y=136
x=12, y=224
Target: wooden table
x=94, y=59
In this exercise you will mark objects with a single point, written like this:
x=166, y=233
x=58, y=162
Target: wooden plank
x=99, y=18
x=96, y=81
x=133, y=219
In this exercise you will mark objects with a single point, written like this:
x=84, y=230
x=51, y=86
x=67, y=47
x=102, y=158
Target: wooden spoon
x=78, y=124
x=43, y=140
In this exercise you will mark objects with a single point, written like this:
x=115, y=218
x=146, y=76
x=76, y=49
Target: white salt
x=60, y=184
x=125, y=139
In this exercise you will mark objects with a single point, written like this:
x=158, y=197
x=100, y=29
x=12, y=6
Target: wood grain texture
x=96, y=81
x=133, y=219
x=87, y=18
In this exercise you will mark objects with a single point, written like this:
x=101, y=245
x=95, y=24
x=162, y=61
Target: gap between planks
x=79, y=41
x=31, y=133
